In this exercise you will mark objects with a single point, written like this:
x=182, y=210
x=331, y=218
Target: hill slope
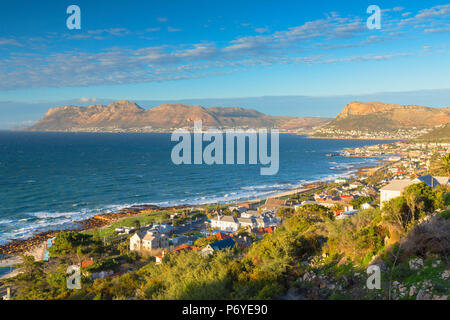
x=372, y=118
x=441, y=133
x=128, y=116
x=380, y=116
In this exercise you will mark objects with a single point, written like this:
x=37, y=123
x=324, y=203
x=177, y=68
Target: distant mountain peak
x=128, y=116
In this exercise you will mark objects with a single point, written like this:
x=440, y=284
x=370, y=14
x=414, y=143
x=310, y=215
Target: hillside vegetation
x=311, y=256
x=440, y=134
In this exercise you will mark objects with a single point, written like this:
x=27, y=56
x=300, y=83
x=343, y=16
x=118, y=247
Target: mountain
x=128, y=116
x=376, y=120
x=379, y=116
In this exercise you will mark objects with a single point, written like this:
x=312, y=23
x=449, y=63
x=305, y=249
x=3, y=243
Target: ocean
x=50, y=181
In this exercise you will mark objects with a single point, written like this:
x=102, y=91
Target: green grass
x=143, y=218
x=445, y=214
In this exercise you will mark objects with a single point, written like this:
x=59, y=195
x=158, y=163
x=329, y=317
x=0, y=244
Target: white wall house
x=393, y=190
x=148, y=241
x=396, y=187
x=225, y=223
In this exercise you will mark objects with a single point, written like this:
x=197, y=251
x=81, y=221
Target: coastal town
x=399, y=134
x=128, y=240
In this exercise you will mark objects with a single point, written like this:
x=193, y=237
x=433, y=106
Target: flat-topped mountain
x=377, y=116
x=128, y=116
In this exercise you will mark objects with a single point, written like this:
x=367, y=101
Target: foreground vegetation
x=311, y=256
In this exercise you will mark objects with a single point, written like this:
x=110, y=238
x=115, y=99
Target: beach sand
x=37, y=252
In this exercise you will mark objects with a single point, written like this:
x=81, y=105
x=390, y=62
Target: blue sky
x=186, y=49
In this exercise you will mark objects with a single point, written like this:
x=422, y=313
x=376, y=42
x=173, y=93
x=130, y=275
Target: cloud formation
x=313, y=42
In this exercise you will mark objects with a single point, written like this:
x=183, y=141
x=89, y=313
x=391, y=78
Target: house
x=238, y=209
x=159, y=258
x=147, y=241
x=248, y=205
x=431, y=181
x=346, y=214
x=220, y=236
x=225, y=223
x=247, y=222
x=340, y=180
x=249, y=214
x=178, y=241
x=163, y=228
x=218, y=245
x=393, y=190
x=355, y=185
x=244, y=241
x=366, y=206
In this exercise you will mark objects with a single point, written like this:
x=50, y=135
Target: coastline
x=353, y=138
x=16, y=247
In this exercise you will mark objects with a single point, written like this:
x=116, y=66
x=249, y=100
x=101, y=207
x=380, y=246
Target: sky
x=169, y=50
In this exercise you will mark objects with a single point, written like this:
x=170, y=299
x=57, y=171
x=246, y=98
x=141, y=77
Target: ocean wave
x=46, y=220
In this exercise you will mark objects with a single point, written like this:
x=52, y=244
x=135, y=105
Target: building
x=225, y=223
x=431, y=181
x=393, y=190
x=396, y=187
x=249, y=214
x=218, y=245
x=179, y=241
x=148, y=241
x=238, y=209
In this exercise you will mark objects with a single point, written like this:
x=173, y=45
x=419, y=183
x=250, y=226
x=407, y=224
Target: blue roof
x=429, y=180
x=222, y=244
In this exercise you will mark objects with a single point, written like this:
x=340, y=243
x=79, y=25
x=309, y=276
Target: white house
x=250, y=213
x=393, y=190
x=148, y=241
x=366, y=206
x=396, y=187
x=225, y=223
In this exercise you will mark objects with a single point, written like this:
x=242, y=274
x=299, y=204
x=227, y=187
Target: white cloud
x=170, y=29
x=262, y=30
x=9, y=42
x=87, y=100
x=122, y=65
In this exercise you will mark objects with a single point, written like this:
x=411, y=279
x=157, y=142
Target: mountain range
x=125, y=115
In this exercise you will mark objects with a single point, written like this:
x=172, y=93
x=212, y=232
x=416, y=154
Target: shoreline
x=17, y=247
x=363, y=139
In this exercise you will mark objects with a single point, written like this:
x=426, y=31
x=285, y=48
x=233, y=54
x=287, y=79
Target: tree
x=396, y=211
x=136, y=224
x=203, y=242
x=30, y=267
x=360, y=201
x=420, y=200
x=445, y=163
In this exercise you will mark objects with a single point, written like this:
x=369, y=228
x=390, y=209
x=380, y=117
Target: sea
x=51, y=181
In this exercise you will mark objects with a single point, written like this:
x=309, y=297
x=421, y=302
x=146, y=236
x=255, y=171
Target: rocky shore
x=21, y=246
